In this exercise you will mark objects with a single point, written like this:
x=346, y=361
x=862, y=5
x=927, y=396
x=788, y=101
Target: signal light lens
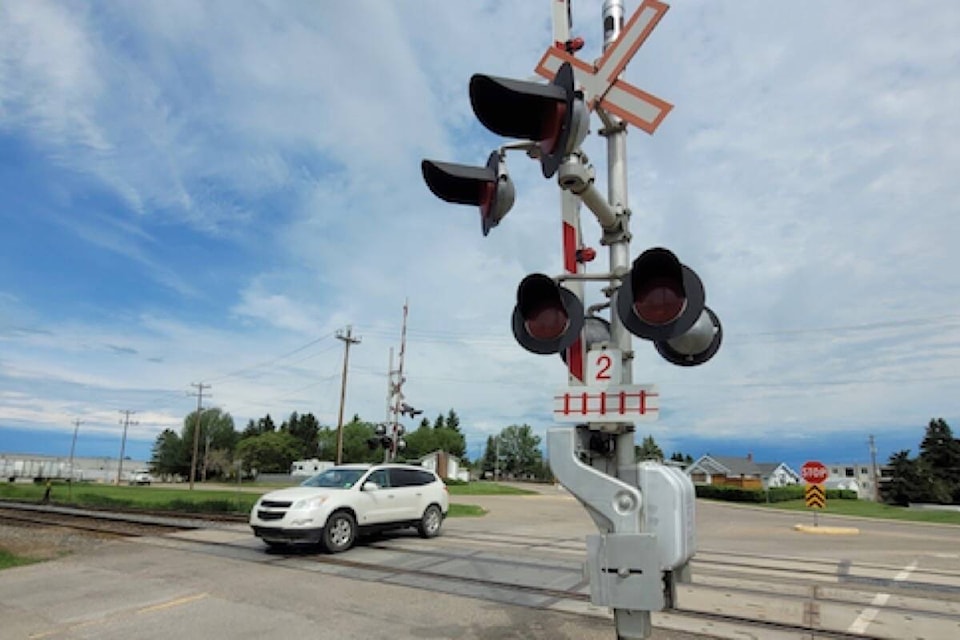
x=661, y=300
x=547, y=323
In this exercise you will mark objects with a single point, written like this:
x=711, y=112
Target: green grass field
x=486, y=489
x=867, y=509
x=8, y=560
x=223, y=499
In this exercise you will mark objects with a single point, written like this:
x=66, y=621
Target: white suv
x=332, y=507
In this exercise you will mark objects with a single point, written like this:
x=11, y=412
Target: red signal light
x=660, y=301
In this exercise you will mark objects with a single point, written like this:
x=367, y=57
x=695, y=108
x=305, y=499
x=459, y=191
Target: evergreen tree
x=940, y=453
x=438, y=423
x=649, y=450
x=453, y=421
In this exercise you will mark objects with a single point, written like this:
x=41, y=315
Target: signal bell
x=664, y=301
x=489, y=187
x=548, y=318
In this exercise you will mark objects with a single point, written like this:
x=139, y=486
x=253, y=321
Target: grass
x=198, y=500
x=147, y=498
x=465, y=511
x=486, y=489
x=8, y=560
x=868, y=509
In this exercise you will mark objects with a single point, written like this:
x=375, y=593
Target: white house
x=445, y=465
x=309, y=467
x=741, y=472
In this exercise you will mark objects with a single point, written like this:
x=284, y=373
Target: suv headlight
x=309, y=503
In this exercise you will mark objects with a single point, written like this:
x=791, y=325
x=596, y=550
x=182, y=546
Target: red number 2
x=604, y=362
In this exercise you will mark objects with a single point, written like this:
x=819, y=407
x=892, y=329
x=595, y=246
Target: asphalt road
x=156, y=589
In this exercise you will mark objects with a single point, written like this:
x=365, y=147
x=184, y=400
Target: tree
x=903, y=487
x=520, y=450
x=355, y=448
x=217, y=433
x=305, y=429
x=271, y=452
x=685, y=460
x=167, y=455
x=438, y=423
x=649, y=450
x=422, y=441
x=488, y=462
x=453, y=421
x=940, y=453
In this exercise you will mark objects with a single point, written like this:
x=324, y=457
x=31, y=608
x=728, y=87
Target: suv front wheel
x=340, y=532
x=429, y=526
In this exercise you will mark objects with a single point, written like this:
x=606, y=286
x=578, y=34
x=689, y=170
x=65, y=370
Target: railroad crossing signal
x=815, y=496
x=489, y=188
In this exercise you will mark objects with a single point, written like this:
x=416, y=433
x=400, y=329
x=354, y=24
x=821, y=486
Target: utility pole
x=348, y=340
x=123, y=442
x=196, y=429
x=73, y=447
x=873, y=466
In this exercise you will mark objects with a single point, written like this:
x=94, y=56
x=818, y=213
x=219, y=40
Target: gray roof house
x=741, y=472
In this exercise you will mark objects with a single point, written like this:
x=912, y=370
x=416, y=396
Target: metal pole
x=400, y=381
x=629, y=623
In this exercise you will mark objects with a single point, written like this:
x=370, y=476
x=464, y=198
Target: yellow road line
x=173, y=603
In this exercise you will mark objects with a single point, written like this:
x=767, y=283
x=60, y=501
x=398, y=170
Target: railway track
x=545, y=572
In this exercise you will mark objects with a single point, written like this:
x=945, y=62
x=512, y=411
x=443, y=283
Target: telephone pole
x=123, y=442
x=73, y=446
x=873, y=469
x=196, y=429
x=348, y=340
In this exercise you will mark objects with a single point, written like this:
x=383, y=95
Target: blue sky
x=191, y=192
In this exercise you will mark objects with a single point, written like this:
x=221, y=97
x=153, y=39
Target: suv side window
x=380, y=477
x=410, y=477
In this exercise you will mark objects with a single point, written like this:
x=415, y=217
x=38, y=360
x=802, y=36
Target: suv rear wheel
x=429, y=526
x=340, y=532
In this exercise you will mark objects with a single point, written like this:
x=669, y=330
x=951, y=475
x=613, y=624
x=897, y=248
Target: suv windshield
x=334, y=478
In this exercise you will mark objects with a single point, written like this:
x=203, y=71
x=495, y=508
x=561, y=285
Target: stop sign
x=814, y=472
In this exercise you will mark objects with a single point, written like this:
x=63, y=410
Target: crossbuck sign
x=601, y=83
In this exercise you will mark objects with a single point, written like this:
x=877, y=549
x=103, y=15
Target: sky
x=209, y=192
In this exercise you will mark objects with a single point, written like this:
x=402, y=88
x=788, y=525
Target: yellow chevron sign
x=815, y=496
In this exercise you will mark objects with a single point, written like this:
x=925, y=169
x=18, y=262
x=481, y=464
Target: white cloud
x=806, y=172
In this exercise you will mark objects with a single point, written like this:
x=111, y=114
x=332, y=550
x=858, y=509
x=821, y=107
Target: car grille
x=276, y=504
x=270, y=515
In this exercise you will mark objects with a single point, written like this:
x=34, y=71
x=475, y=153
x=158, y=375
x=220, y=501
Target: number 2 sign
x=603, y=368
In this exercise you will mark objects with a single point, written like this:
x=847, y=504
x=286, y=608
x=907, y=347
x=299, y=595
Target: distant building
x=445, y=465
x=310, y=467
x=741, y=472
x=21, y=467
x=856, y=477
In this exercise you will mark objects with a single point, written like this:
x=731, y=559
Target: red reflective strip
x=623, y=402
x=566, y=404
x=569, y=248
x=583, y=398
x=603, y=404
x=643, y=402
